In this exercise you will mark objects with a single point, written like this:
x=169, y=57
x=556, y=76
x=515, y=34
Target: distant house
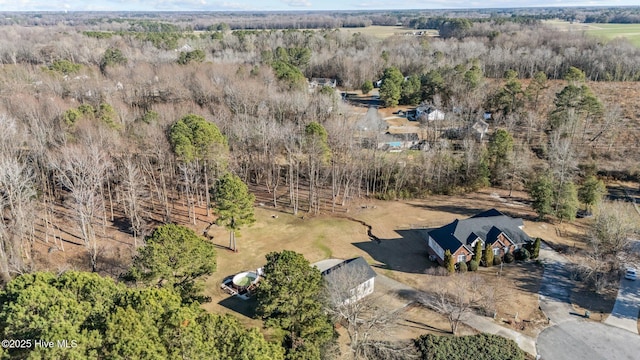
x=495, y=230
x=479, y=129
x=321, y=82
x=398, y=142
x=429, y=113
x=340, y=271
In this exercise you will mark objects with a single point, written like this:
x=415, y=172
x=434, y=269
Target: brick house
x=501, y=233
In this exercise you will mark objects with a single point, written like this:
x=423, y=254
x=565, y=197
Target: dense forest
x=121, y=120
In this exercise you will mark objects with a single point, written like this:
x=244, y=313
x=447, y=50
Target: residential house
x=495, y=231
x=478, y=130
x=429, y=113
x=321, y=82
x=334, y=270
x=398, y=142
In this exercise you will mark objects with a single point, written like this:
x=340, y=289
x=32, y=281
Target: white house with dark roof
x=355, y=270
x=495, y=230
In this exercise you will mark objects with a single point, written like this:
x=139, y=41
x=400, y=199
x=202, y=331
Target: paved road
x=625, y=312
x=571, y=337
x=585, y=340
x=556, y=286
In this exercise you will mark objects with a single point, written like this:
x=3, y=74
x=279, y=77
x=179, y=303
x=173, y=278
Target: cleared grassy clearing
x=605, y=31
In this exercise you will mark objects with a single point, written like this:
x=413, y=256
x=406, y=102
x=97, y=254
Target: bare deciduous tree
x=456, y=300
x=81, y=170
x=365, y=317
x=134, y=191
x=610, y=237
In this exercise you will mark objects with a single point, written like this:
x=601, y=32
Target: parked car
x=630, y=274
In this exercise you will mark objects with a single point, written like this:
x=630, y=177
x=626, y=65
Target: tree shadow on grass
x=240, y=306
x=407, y=253
x=470, y=210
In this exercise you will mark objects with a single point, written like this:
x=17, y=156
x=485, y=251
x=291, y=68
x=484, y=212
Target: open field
x=606, y=31
x=383, y=32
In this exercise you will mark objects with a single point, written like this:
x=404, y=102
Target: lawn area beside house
x=399, y=252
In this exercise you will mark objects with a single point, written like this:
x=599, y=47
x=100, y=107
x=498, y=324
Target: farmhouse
x=495, y=230
x=355, y=273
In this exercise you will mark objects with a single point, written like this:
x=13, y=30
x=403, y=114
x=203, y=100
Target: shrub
x=462, y=267
x=509, y=258
x=522, y=254
x=535, y=250
x=473, y=265
x=482, y=346
x=497, y=260
x=71, y=116
x=65, y=67
x=488, y=257
x=448, y=261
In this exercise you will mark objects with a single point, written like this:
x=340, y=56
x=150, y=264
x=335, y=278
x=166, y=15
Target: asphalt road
x=572, y=337
x=585, y=340
x=625, y=312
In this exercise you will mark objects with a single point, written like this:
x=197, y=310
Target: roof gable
x=487, y=226
x=356, y=265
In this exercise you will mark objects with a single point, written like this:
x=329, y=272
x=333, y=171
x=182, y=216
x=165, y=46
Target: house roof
x=487, y=226
x=356, y=265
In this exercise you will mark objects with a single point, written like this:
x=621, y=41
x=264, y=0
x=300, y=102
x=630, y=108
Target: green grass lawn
x=605, y=31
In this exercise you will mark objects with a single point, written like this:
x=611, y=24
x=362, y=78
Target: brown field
x=383, y=32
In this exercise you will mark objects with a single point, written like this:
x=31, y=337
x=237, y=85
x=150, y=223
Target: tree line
x=115, y=128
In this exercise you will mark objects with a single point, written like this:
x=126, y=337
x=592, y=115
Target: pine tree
x=591, y=191
x=541, y=192
x=567, y=202
x=176, y=257
x=233, y=205
x=289, y=299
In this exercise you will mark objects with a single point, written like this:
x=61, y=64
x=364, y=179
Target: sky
x=286, y=5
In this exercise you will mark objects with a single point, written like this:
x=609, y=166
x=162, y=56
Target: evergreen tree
x=112, y=56
x=477, y=251
x=567, y=202
x=289, y=298
x=174, y=256
x=591, y=191
x=233, y=205
x=410, y=91
x=367, y=86
x=488, y=256
x=105, y=320
x=391, y=88
x=510, y=98
x=199, y=144
x=499, y=152
x=541, y=193
x=449, y=262
x=194, y=138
